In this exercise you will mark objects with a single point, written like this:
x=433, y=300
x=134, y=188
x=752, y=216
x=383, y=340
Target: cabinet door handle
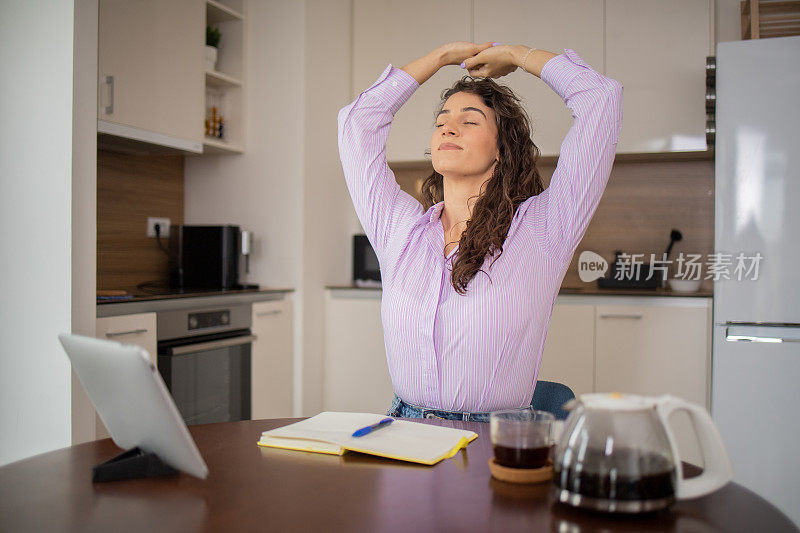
x=271, y=312
x=621, y=315
x=131, y=332
x=110, y=107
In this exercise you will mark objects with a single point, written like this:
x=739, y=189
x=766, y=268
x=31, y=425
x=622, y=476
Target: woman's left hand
x=493, y=62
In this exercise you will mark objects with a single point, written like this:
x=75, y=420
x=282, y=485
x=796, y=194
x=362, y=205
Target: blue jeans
x=403, y=409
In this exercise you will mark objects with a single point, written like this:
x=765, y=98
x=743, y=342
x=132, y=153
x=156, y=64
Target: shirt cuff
x=393, y=87
x=559, y=71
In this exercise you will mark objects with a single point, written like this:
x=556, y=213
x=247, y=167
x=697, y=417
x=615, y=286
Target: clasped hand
x=480, y=60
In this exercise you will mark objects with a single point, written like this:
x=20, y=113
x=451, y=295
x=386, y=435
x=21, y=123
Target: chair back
x=550, y=396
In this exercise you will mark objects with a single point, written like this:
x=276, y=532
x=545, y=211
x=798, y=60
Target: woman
x=469, y=279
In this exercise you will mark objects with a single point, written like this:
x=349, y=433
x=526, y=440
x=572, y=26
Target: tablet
x=132, y=401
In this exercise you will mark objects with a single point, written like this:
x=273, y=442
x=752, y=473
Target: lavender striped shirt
x=481, y=351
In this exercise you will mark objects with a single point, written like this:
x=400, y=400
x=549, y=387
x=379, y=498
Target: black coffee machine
x=209, y=257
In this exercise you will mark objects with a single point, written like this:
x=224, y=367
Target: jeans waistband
x=436, y=409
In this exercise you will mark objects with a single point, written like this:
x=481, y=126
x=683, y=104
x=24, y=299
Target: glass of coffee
x=522, y=438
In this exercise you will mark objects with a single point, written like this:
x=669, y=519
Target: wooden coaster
x=521, y=475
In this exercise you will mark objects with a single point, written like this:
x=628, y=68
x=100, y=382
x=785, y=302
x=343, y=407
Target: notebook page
x=402, y=439
x=327, y=426
x=304, y=445
x=412, y=441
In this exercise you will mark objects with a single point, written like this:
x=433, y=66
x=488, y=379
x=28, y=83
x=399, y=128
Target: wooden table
x=265, y=489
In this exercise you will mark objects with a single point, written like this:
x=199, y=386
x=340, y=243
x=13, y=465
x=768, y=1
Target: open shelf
x=217, y=12
x=226, y=80
x=215, y=146
x=218, y=79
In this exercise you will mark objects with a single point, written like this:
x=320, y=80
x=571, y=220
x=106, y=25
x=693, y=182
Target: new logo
x=591, y=266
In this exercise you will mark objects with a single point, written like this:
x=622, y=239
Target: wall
x=328, y=210
x=36, y=99
x=84, y=200
x=728, y=20
x=267, y=180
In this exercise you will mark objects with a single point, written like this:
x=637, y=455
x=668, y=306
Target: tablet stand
x=134, y=463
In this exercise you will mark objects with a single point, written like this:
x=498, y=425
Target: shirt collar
x=435, y=211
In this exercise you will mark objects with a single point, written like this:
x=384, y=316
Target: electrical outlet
x=163, y=224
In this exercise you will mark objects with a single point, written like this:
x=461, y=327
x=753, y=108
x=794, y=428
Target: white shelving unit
x=226, y=83
x=221, y=12
x=218, y=79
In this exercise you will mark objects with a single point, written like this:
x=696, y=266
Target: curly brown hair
x=515, y=179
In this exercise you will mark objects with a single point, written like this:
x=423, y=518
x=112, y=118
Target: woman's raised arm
x=381, y=205
x=562, y=211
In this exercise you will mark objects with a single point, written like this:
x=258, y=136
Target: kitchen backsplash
x=643, y=201
x=131, y=188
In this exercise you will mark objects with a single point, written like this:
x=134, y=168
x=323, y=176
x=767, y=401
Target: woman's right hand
x=457, y=52
x=448, y=54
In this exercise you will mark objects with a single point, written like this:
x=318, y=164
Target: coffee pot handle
x=717, y=469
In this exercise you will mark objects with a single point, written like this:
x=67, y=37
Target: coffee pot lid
x=617, y=401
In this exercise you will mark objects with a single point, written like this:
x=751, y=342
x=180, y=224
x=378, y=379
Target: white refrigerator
x=755, y=399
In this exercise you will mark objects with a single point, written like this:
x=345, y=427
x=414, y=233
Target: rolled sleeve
x=393, y=87
x=560, y=70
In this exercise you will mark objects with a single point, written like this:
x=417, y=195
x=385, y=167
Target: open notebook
x=331, y=432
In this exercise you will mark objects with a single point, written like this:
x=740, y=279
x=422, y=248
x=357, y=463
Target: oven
x=204, y=356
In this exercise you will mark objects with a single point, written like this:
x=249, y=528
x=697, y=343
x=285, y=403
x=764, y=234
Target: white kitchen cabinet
x=356, y=376
x=658, y=50
x=387, y=31
x=272, y=389
x=568, y=355
x=551, y=25
x=653, y=350
x=634, y=345
x=151, y=71
x=138, y=329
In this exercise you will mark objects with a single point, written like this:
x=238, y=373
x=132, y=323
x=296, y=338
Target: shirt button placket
x=430, y=357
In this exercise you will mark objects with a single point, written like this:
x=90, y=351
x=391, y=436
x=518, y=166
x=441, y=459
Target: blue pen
x=363, y=431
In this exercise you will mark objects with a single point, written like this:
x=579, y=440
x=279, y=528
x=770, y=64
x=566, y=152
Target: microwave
x=366, y=270
x=208, y=257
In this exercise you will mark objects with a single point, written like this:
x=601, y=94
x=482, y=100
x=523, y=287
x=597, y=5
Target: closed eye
x=440, y=125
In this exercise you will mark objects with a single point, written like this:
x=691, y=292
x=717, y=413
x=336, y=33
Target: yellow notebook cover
x=331, y=432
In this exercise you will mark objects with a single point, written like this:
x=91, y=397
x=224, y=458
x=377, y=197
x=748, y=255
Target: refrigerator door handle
x=762, y=333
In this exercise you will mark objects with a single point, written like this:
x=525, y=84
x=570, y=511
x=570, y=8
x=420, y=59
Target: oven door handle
x=212, y=345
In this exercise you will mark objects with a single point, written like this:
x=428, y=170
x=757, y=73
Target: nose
x=449, y=128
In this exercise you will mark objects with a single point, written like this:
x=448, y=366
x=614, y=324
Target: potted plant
x=212, y=41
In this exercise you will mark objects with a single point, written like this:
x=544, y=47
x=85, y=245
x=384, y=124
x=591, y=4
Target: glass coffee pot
x=618, y=453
